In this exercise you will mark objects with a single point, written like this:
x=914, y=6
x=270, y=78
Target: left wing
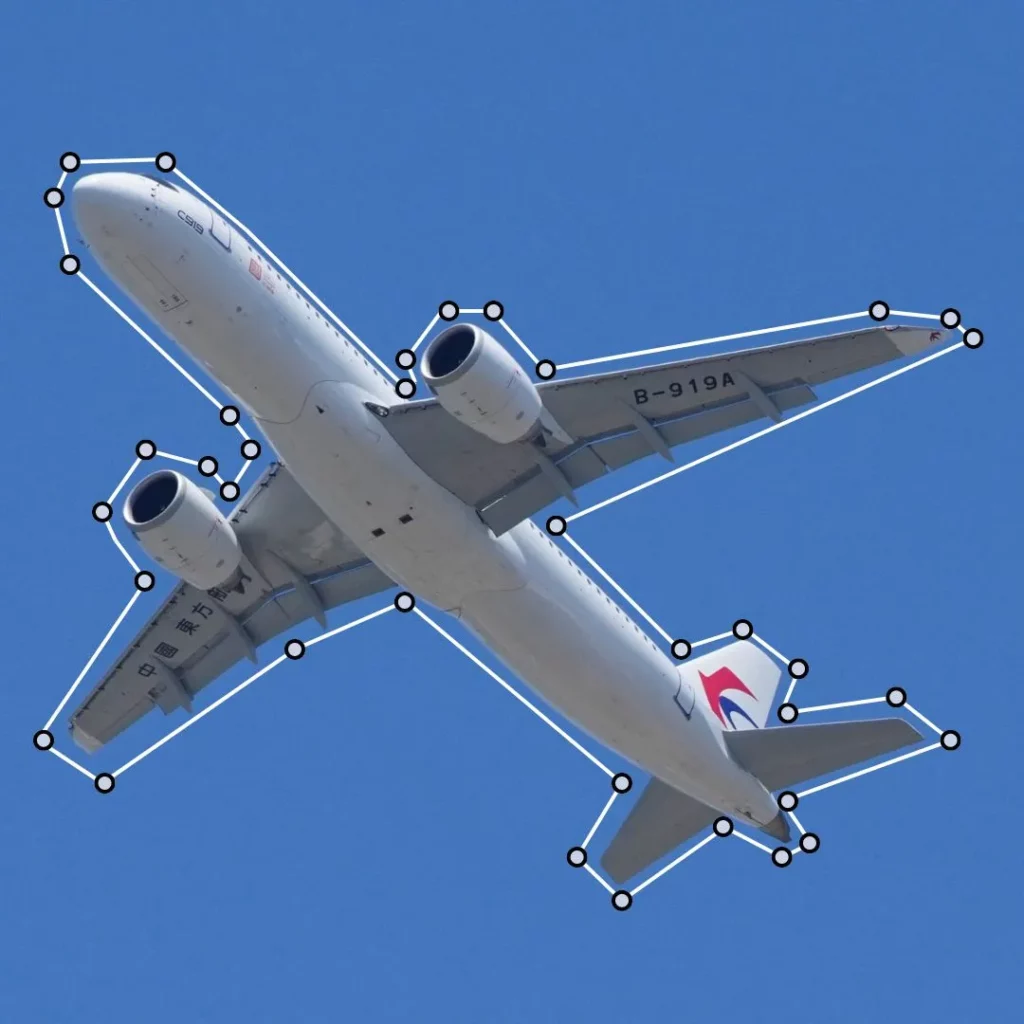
x=296, y=564
x=616, y=418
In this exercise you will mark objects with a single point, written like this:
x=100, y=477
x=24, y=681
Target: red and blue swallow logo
x=724, y=707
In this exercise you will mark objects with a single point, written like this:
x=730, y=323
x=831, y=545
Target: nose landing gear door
x=221, y=230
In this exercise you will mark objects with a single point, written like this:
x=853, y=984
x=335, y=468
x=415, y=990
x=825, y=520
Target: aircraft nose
x=108, y=206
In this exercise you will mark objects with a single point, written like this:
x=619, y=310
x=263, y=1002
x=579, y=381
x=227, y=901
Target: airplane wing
x=618, y=417
x=296, y=565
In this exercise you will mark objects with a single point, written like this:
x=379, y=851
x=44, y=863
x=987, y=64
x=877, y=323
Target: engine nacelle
x=478, y=382
x=181, y=528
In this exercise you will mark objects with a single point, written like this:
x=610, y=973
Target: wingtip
x=912, y=339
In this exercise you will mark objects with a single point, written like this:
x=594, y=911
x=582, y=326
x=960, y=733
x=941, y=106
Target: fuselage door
x=221, y=230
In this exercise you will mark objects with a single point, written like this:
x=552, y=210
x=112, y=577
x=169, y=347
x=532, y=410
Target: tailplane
x=791, y=754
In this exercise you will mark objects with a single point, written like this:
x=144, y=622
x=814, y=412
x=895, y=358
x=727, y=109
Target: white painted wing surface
x=619, y=417
x=296, y=565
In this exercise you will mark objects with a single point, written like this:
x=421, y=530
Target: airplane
x=370, y=491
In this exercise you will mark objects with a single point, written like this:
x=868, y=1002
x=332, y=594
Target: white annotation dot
x=70, y=161
x=405, y=359
x=950, y=317
x=43, y=739
x=494, y=310
x=104, y=782
x=166, y=161
x=102, y=512
x=229, y=415
x=53, y=197
x=405, y=388
x=622, y=900
x=798, y=668
x=878, y=310
x=950, y=739
x=809, y=842
x=621, y=782
x=896, y=696
x=788, y=800
x=448, y=310
x=207, y=465
x=556, y=525
x=723, y=826
x=576, y=857
x=145, y=580
x=145, y=450
x=229, y=490
x=787, y=713
x=546, y=369
x=681, y=649
x=781, y=856
x=973, y=337
x=251, y=449
x=405, y=602
x=742, y=629
x=70, y=264
x=294, y=649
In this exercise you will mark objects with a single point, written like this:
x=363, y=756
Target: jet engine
x=179, y=526
x=479, y=383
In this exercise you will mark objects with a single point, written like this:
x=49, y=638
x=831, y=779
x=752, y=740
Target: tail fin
x=795, y=753
x=738, y=683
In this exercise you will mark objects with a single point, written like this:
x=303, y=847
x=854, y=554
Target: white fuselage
x=306, y=385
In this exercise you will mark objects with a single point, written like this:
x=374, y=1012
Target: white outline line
x=920, y=316
x=246, y=463
x=712, y=639
x=865, y=771
x=138, y=330
x=124, y=480
x=123, y=160
x=668, y=867
x=789, y=691
x=515, y=337
x=600, y=818
x=771, y=650
x=594, y=874
x=753, y=842
x=426, y=330
x=480, y=311
x=916, y=713
x=515, y=693
x=95, y=654
x=178, y=458
x=618, y=589
x=120, y=546
x=711, y=341
x=198, y=715
x=843, y=704
x=63, y=177
x=767, y=430
x=60, y=228
x=74, y=764
x=796, y=821
x=241, y=227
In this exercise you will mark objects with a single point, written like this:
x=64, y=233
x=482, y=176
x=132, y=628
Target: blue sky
x=379, y=832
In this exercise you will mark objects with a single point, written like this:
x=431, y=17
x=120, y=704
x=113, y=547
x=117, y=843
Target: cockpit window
x=160, y=181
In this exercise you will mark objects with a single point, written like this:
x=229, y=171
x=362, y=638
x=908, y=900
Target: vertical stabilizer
x=737, y=683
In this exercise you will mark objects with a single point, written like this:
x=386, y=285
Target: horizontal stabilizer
x=660, y=820
x=790, y=754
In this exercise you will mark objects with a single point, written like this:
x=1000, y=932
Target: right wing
x=296, y=564
x=615, y=418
